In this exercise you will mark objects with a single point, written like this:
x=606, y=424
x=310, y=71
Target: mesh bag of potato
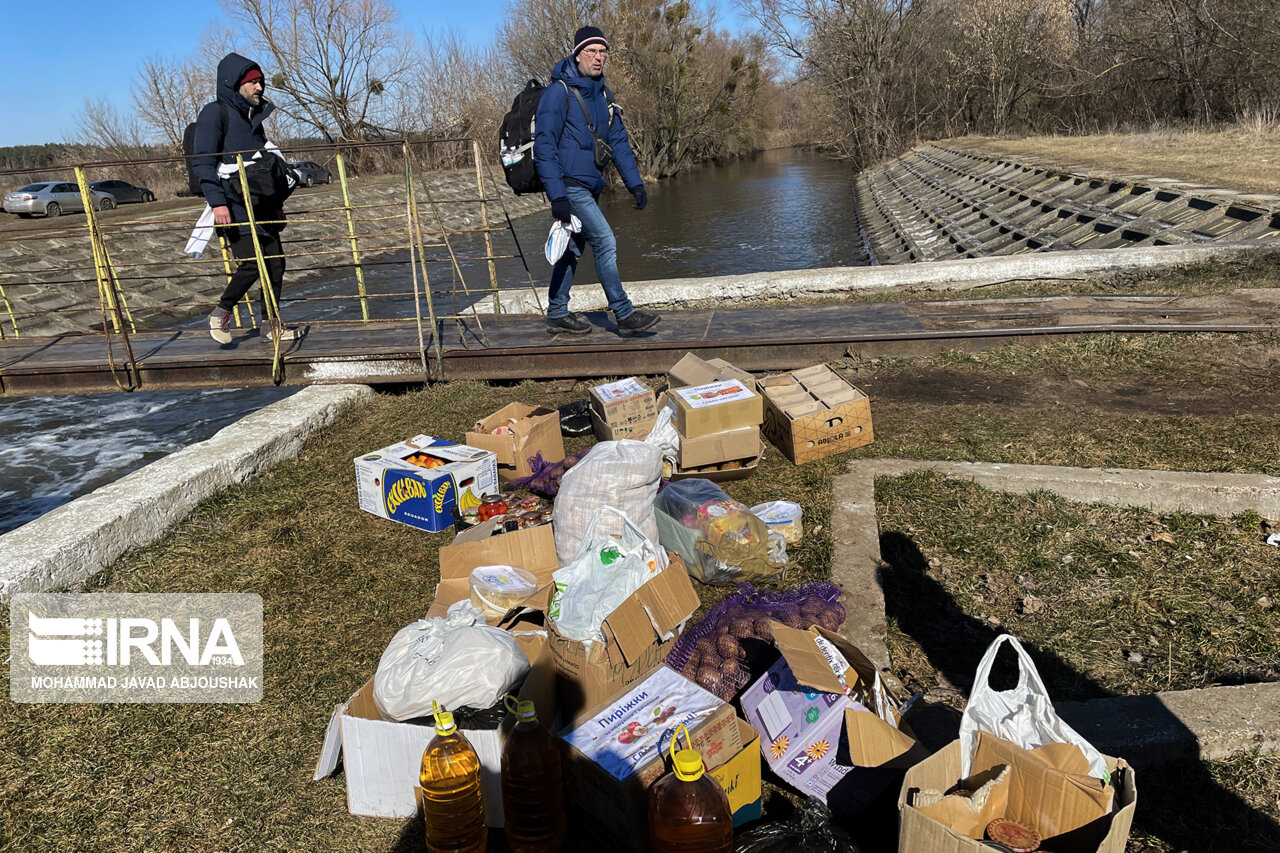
x=720, y=652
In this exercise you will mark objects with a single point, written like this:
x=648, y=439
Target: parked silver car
x=52, y=198
x=123, y=191
x=311, y=173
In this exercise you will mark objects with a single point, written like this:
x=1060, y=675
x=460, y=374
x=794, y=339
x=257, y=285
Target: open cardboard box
x=692, y=370
x=1048, y=789
x=389, y=486
x=532, y=549
x=827, y=743
x=534, y=429
x=814, y=413
x=638, y=635
x=382, y=759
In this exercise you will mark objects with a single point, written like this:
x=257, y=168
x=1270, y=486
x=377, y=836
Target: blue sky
x=59, y=53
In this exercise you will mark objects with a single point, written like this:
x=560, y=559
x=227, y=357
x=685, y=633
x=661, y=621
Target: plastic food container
x=497, y=589
x=782, y=516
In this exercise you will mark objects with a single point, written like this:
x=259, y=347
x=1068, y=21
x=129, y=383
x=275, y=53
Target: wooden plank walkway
x=515, y=347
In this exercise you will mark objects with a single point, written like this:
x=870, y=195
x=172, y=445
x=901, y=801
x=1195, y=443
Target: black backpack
x=515, y=140
x=189, y=148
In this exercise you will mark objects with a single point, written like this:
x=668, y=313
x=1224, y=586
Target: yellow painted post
x=416, y=237
x=107, y=291
x=264, y=281
x=351, y=229
x=226, y=268
x=484, y=222
x=9, y=310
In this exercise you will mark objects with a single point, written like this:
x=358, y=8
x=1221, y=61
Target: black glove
x=641, y=197
x=561, y=209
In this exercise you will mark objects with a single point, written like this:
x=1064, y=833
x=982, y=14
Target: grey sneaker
x=637, y=322
x=570, y=324
x=220, y=325
x=281, y=332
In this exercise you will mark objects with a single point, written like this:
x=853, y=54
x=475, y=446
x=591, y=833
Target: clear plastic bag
x=720, y=540
x=812, y=830
x=457, y=661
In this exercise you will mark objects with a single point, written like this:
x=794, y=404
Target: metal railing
x=375, y=240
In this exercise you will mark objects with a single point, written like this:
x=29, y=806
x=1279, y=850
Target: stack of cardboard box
x=718, y=415
x=623, y=409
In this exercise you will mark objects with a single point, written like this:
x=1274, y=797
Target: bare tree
x=168, y=95
x=336, y=65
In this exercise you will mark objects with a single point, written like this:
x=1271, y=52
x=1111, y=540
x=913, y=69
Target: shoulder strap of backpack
x=591, y=125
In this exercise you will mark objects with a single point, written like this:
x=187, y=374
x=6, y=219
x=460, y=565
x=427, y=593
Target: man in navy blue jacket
x=575, y=109
x=234, y=123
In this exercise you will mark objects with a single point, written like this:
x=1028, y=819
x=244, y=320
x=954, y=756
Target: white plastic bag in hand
x=588, y=589
x=457, y=661
x=1023, y=715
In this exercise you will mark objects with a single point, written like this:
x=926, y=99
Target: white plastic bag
x=1023, y=715
x=602, y=575
x=457, y=661
x=622, y=474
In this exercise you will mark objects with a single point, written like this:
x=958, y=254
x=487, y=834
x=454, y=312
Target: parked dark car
x=123, y=192
x=53, y=198
x=312, y=173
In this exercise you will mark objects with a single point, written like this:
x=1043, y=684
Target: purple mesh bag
x=817, y=602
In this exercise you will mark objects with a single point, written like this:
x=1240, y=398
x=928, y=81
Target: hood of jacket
x=230, y=69
x=567, y=70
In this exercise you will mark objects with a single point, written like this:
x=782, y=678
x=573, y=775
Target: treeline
x=878, y=75
x=345, y=71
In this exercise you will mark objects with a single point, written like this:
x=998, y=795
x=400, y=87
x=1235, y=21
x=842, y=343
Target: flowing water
x=779, y=211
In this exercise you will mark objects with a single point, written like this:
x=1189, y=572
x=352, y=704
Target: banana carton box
x=421, y=480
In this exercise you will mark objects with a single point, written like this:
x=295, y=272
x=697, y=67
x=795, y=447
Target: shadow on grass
x=1179, y=802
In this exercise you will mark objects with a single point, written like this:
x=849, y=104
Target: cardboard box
x=717, y=447
x=623, y=409
x=382, y=759
x=807, y=722
x=692, y=370
x=634, y=644
x=813, y=413
x=720, y=406
x=390, y=487
x=720, y=473
x=739, y=775
x=532, y=549
x=535, y=429
x=1047, y=789
x=612, y=788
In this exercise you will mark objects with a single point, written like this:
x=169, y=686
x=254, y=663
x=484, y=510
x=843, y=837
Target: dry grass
x=1245, y=158
x=337, y=583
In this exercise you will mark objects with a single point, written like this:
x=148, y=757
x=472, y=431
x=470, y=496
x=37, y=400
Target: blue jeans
x=596, y=231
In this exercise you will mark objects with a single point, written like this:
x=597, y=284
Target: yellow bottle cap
x=687, y=762
x=444, y=720
x=523, y=710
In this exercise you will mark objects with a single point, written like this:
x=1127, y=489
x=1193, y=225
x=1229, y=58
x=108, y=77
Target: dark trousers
x=247, y=272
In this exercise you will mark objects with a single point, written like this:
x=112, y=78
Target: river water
x=778, y=211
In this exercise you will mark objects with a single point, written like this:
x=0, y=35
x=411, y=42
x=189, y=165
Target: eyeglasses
x=596, y=51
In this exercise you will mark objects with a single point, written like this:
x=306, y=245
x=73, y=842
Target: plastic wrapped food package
x=497, y=589
x=720, y=540
x=783, y=516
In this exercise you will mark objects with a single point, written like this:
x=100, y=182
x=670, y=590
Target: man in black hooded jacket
x=243, y=107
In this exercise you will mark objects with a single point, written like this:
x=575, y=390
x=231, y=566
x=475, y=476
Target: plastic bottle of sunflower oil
x=451, y=800
x=532, y=788
x=688, y=810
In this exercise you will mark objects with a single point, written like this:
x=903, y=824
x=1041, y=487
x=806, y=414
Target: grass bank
x=337, y=583
x=1245, y=158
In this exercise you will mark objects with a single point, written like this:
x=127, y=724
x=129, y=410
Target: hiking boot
x=220, y=325
x=570, y=324
x=279, y=331
x=637, y=322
